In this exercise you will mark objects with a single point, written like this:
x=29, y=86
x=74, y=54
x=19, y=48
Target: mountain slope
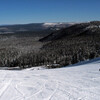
x=73, y=44
x=90, y=28
x=78, y=82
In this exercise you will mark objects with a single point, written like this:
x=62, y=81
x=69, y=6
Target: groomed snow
x=77, y=82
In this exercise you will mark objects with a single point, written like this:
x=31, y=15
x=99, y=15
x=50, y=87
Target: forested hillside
x=74, y=44
x=60, y=48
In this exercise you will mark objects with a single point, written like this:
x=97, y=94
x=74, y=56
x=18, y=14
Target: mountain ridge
x=88, y=28
x=32, y=27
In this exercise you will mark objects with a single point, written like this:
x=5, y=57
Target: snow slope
x=77, y=82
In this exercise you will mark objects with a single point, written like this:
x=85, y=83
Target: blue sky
x=37, y=11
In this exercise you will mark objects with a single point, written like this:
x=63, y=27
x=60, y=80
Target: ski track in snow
x=81, y=82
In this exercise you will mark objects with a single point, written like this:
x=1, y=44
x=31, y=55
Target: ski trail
x=57, y=85
x=16, y=87
x=22, y=97
x=41, y=89
x=75, y=83
x=4, y=88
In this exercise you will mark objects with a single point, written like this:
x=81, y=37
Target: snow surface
x=57, y=24
x=52, y=24
x=78, y=82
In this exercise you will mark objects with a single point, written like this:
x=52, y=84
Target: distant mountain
x=5, y=29
x=90, y=28
x=57, y=26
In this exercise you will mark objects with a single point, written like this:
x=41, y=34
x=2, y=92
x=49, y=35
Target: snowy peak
x=57, y=24
x=53, y=24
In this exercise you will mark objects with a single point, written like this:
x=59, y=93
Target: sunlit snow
x=77, y=82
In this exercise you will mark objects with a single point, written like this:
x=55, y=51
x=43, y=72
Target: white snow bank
x=36, y=68
x=80, y=82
